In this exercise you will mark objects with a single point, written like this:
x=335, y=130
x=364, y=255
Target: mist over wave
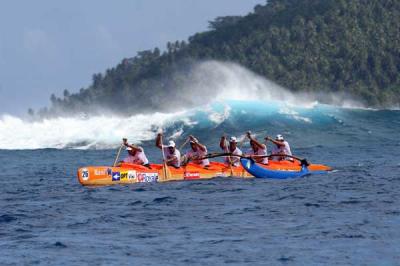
x=187, y=86
x=215, y=81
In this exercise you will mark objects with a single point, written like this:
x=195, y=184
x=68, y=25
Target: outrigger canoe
x=131, y=173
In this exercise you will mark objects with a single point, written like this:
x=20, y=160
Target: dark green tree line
x=340, y=46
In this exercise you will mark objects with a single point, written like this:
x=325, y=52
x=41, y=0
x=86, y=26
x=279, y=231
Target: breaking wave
x=225, y=97
x=207, y=122
x=75, y=132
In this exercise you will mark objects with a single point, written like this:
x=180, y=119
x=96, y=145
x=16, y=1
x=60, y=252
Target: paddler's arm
x=158, y=141
x=134, y=147
x=260, y=145
x=222, y=143
x=170, y=159
x=280, y=144
x=197, y=143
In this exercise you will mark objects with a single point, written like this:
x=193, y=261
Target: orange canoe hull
x=130, y=173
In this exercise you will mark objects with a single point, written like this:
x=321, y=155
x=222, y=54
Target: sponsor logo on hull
x=191, y=175
x=131, y=175
x=85, y=174
x=124, y=176
x=128, y=176
x=116, y=176
x=100, y=172
x=147, y=177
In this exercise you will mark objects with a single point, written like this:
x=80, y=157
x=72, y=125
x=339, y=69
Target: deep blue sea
x=348, y=217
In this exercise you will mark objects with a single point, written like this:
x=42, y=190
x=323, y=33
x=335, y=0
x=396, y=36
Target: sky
x=47, y=46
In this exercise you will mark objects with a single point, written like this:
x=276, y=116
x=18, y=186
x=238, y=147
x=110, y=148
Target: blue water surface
x=348, y=217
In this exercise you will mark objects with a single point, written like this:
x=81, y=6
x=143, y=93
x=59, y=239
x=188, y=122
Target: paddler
x=282, y=148
x=231, y=148
x=257, y=149
x=171, y=153
x=197, y=151
x=136, y=154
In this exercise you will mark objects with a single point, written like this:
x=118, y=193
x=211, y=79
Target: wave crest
x=78, y=132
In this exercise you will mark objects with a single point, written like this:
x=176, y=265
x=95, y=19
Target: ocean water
x=348, y=217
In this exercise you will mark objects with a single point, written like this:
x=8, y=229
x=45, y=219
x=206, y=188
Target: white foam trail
x=92, y=132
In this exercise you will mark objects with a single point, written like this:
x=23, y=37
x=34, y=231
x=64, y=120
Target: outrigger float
x=130, y=173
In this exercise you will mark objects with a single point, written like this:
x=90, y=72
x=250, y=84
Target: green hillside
x=350, y=46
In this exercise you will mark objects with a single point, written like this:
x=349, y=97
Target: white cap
x=171, y=143
x=233, y=139
x=279, y=137
x=128, y=148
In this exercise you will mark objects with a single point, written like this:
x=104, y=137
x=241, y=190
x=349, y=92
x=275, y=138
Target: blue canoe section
x=261, y=172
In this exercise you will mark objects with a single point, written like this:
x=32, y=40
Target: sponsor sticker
x=116, y=176
x=100, y=172
x=191, y=175
x=147, y=177
x=131, y=174
x=124, y=176
x=85, y=174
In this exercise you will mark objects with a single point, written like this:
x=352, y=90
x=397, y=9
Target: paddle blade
x=166, y=173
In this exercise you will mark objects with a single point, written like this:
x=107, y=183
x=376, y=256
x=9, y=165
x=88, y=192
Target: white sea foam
x=293, y=114
x=177, y=133
x=98, y=132
x=217, y=117
x=92, y=132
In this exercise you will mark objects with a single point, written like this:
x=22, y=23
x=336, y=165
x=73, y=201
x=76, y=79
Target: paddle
x=240, y=147
x=229, y=157
x=183, y=144
x=302, y=161
x=215, y=155
x=116, y=158
x=242, y=142
x=166, y=171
